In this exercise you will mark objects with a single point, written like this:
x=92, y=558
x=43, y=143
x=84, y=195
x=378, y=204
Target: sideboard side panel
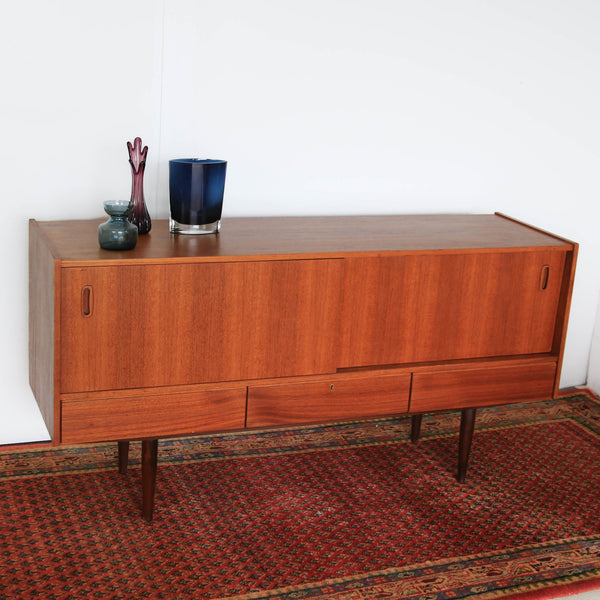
x=564, y=306
x=42, y=273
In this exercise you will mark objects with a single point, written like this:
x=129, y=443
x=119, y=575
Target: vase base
x=186, y=228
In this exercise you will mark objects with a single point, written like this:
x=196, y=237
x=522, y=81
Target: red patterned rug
x=352, y=511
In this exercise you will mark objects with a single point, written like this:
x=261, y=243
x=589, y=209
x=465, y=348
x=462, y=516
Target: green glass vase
x=117, y=233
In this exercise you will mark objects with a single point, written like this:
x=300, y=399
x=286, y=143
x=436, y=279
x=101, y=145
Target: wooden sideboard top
x=284, y=237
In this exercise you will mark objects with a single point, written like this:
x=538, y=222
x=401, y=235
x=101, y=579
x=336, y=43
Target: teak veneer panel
x=75, y=242
x=178, y=324
x=152, y=416
x=482, y=387
x=43, y=336
x=335, y=399
x=449, y=306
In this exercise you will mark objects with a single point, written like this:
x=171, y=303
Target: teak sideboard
x=290, y=320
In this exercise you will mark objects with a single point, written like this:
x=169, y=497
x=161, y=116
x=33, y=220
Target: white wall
x=593, y=380
x=320, y=107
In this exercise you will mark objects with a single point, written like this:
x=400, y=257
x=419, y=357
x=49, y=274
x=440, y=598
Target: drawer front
x=482, y=387
x=152, y=416
x=336, y=399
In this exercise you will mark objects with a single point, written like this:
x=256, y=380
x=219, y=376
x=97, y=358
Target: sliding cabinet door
x=432, y=307
x=172, y=324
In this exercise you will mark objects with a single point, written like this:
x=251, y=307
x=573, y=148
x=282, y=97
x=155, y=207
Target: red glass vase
x=138, y=212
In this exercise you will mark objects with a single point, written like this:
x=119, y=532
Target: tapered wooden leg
x=123, y=457
x=149, y=462
x=415, y=428
x=467, y=424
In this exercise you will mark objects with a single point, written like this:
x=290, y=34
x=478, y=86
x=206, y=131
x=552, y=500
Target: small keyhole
x=331, y=387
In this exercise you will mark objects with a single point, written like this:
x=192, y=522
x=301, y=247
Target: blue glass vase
x=196, y=188
x=117, y=233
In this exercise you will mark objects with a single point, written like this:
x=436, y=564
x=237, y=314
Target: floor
x=593, y=595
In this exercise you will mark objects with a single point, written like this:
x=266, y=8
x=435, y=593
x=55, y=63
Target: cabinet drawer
x=161, y=415
x=481, y=387
x=334, y=399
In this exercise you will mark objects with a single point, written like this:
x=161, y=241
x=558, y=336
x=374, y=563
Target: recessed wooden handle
x=86, y=301
x=544, y=276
